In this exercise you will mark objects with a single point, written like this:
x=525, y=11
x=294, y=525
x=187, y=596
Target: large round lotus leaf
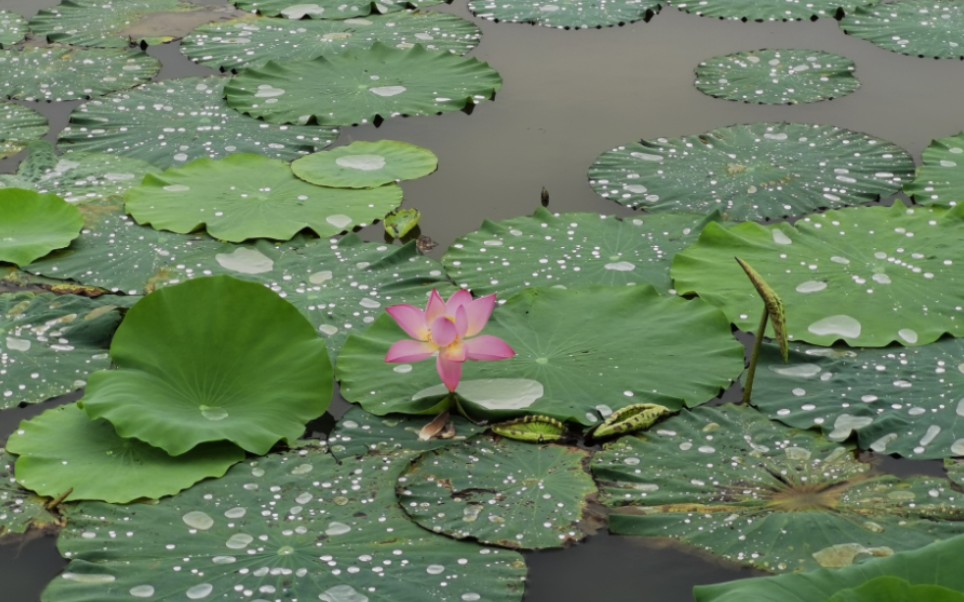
x=175, y=121
x=13, y=28
x=249, y=196
x=754, y=171
x=21, y=510
x=299, y=526
x=18, y=126
x=56, y=73
x=579, y=357
x=868, y=276
x=81, y=177
x=357, y=433
x=897, y=401
x=328, y=9
x=773, y=77
x=366, y=164
x=51, y=343
x=105, y=23
x=253, y=40
x=769, y=10
x=33, y=224
x=940, y=179
x=361, y=85
x=737, y=485
x=566, y=14
x=893, y=589
x=932, y=564
x=501, y=492
x=926, y=28
x=209, y=360
x=570, y=249
x=62, y=450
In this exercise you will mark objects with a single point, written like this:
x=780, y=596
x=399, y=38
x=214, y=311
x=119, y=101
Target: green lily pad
x=104, y=23
x=359, y=86
x=175, y=121
x=366, y=164
x=925, y=28
x=51, y=343
x=940, y=179
x=770, y=10
x=570, y=249
x=771, y=77
x=896, y=401
x=501, y=492
x=57, y=73
x=301, y=525
x=358, y=433
x=252, y=41
x=755, y=171
x=32, y=225
x=570, y=366
x=21, y=510
x=193, y=368
x=567, y=14
x=328, y=9
x=13, y=28
x=62, y=451
x=737, y=485
x=18, y=127
x=887, y=588
x=955, y=470
x=933, y=564
x=868, y=276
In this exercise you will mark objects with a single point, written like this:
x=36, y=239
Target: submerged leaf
x=533, y=429
x=630, y=419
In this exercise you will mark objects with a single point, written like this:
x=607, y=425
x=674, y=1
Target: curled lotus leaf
x=366, y=164
x=531, y=429
x=925, y=28
x=32, y=225
x=401, y=222
x=21, y=510
x=328, y=9
x=13, y=28
x=19, y=126
x=770, y=10
x=567, y=14
x=940, y=178
x=630, y=419
x=106, y=24
x=773, y=305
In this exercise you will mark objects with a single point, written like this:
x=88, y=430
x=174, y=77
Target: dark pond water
x=567, y=97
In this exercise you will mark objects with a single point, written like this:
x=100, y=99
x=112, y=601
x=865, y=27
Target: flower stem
x=754, y=356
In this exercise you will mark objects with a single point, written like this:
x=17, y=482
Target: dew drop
x=908, y=335
x=198, y=520
x=811, y=286
x=780, y=237
x=387, y=91
x=435, y=569
x=840, y=325
x=361, y=162
x=142, y=591
x=201, y=590
x=620, y=266
x=337, y=528
x=239, y=541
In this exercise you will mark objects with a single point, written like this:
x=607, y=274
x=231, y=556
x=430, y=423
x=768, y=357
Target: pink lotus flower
x=449, y=331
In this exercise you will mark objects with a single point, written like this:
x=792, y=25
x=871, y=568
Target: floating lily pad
x=366, y=164
x=210, y=360
x=175, y=121
x=897, y=401
x=21, y=510
x=868, y=276
x=566, y=14
x=33, y=224
x=62, y=451
x=355, y=87
x=955, y=470
x=56, y=73
x=570, y=249
x=328, y=9
x=252, y=41
x=925, y=28
x=104, y=23
x=754, y=171
x=18, y=127
x=732, y=482
x=13, y=28
x=302, y=525
x=579, y=357
x=940, y=179
x=770, y=10
x=358, y=433
x=51, y=343
x=777, y=76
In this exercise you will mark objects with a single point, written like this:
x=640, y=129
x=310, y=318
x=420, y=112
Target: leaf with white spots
x=328, y=9
x=358, y=433
x=366, y=164
x=19, y=126
x=735, y=484
x=769, y=10
x=940, y=178
x=13, y=28
x=868, y=276
x=925, y=28
x=567, y=14
x=32, y=225
x=21, y=510
x=751, y=172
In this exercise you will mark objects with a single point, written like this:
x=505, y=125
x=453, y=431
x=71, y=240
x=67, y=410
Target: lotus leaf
x=253, y=41
x=301, y=525
x=366, y=164
x=248, y=196
x=532, y=429
x=897, y=401
x=570, y=249
x=13, y=27
x=754, y=171
x=33, y=224
x=940, y=179
x=104, y=23
x=501, y=492
x=893, y=589
x=175, y=121
x=868, y=276
x=955, y=470
x=328, y=9
x=567, y=14
x=62, y=451
x=937, y=563
x=51, y=343
x=569, y=366
x=731, y=482
x=209, y=360
x=925, y=28
x=358, y=433
x=770, y=10
x=357, y=86
x=18, y=126
x=773, y=77
x=402, y=222
x=21, y=510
